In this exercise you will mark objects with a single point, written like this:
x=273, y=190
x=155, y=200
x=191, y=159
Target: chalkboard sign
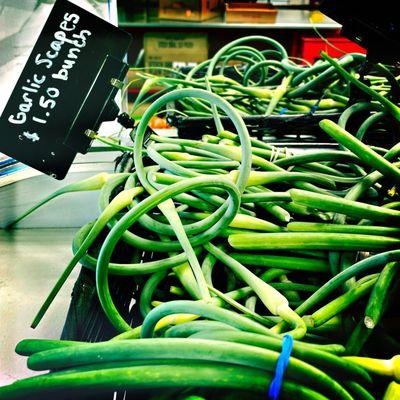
x=64, y=89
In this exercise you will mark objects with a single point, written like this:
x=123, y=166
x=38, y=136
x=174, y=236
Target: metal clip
x=91, y=134
x=117, y=83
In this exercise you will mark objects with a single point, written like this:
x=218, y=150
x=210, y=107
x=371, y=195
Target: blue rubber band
x=281, y=365
x=283, y=111
x=109, y=10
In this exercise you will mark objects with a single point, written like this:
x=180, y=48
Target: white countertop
x=30, y=262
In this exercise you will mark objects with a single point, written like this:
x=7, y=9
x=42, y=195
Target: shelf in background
x=285, y=20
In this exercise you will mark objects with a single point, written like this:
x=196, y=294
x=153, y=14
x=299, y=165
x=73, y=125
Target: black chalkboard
x=64, y=89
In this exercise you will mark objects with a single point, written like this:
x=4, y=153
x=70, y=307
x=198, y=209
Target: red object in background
x=158, y=123
x=310, y=48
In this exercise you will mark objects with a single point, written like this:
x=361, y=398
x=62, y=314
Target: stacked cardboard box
x=189, y=10
x=174, y=50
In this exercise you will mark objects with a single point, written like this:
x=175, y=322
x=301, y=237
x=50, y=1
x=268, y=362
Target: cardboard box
x=189, y=10
x=262, y=13
x=174, y=50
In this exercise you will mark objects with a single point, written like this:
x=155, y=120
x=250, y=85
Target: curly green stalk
x=95, y=182
x=167, y=207
x=274, y=301
x=121, y=201
x=391, y=107
x=136, y=212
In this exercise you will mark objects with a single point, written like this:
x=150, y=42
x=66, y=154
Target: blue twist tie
x=283, y=111
x=109, y=10
x=281, y=365
x=314, y=108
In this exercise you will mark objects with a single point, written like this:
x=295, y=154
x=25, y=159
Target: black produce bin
x=86, y=320
x=279, y=130
x=293, y=131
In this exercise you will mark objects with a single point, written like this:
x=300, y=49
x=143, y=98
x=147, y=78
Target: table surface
x=31, y=260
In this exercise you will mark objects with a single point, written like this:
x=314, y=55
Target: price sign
x=64, y=89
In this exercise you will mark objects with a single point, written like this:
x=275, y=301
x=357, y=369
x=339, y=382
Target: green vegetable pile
x=260, y=82
x=234, y=243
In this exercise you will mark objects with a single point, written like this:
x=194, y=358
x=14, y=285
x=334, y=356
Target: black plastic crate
x=278, y=130
x=86, y=320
